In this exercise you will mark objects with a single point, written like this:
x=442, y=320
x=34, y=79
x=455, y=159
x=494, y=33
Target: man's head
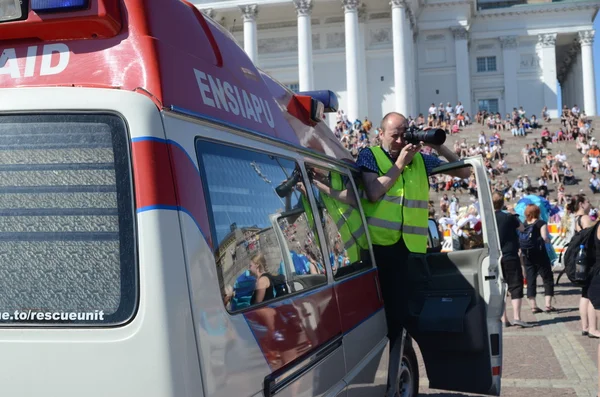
x=393, y=127
x=498, y=201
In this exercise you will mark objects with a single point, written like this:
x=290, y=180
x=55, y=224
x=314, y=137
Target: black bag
x=585, y=237
x=530, y=238
x=279, y=284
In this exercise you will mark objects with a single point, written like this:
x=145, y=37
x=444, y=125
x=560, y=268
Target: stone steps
x=511, y=148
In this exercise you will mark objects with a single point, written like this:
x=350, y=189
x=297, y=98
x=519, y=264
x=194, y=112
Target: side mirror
x=434, y=241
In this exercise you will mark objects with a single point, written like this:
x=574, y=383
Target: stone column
x=401, y=86
x=363, y=92
x=352, y=40
x=548, y=44
x=510, y=63
x=305, y=60
x=586, y=39
x=250, y=12
x=463, y=71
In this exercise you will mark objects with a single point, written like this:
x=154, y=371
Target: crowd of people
x=555, y=172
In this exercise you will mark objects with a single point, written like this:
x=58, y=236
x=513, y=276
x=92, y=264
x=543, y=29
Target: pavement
x=551, y=359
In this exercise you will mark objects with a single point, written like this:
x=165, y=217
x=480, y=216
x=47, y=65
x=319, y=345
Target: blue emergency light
x=41, y=6
x=326, y=97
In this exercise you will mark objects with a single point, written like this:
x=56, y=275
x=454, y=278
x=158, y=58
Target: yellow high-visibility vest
x=404, y=210
x=348, y=221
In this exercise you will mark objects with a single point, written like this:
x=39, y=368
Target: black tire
x=409, y=374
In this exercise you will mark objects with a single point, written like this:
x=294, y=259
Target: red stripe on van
x=152, y=174
x=359, y=299
x=169, y=181
x=190, y=192
x=294, y=327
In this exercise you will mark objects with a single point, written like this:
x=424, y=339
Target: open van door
x=456, y=300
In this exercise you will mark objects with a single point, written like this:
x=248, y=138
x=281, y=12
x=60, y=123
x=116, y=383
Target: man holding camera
x=395, y=199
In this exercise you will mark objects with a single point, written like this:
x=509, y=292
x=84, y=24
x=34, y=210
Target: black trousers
x=537, y=262
x=513, y=274
x=393, y=272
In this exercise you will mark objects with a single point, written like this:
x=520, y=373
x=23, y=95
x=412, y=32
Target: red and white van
x=142, y=160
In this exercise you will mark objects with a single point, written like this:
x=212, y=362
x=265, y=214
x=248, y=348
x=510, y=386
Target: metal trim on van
x=286, y=375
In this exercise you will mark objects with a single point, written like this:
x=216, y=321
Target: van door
x=456, y=298
x=355, y=278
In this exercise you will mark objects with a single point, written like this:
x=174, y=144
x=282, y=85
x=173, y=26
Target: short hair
x=498, y=200
x=387, y=116
x=532, y=211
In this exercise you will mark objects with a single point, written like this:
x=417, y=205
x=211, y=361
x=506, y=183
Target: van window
x=262, y=224
x=67, y=242
x=344, y=230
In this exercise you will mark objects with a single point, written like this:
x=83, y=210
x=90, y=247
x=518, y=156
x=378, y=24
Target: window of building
x=294, y=86
x=262, y=225
x=486, y=64
x=489, y=105
x=345, y=232
x=67, y=226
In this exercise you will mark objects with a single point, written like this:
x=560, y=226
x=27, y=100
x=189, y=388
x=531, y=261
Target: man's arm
x=343, y=196
x=444, y=151
x=377, y=186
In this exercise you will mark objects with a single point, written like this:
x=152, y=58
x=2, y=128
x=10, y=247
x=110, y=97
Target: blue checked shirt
x=366, y=161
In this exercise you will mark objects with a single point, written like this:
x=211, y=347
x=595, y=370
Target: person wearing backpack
x=508, y=225
x=532, y=241
x=267, y=286
x=580, y=206
x=593, y=291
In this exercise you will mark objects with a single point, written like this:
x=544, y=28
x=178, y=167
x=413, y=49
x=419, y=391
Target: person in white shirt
x=459, y=109
x=482, y=139
x=449, y=111
x=575, y=110
x=594, y=184
x=433, y=110
x=561, y=157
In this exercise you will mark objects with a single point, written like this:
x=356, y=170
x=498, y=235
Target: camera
x=286, y=187
x=416, y=135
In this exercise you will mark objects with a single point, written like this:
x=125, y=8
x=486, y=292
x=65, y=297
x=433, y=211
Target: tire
x=409, y=374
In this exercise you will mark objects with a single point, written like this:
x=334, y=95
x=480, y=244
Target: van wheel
x=409, y=374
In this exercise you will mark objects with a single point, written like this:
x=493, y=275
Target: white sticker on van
x=9, y=65
x=229, y=97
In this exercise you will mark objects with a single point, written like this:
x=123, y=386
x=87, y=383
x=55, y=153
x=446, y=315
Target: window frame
x=344, y=172
x=486, y=60
x=251, y=146
x=126, y=210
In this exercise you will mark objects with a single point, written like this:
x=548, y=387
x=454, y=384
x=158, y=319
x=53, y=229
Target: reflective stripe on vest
x=347, y=220
x=400, y=213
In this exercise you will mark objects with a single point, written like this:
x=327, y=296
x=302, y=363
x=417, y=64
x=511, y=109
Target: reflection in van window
x=66, y=220
x=342, y=223
x=266, y=242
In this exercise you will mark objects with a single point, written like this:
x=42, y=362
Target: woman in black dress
x=536, y=259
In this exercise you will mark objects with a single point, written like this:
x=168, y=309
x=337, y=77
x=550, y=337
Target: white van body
x=179, y=339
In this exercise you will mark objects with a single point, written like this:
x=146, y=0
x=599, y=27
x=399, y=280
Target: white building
x=402, y=55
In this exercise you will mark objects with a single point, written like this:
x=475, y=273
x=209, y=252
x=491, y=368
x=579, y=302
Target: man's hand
x=406, y=154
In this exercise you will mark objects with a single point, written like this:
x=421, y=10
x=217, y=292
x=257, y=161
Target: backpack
x=279, y=284
x=530, y=239
x=586, y=238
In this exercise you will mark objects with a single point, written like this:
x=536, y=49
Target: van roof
x=171, y=52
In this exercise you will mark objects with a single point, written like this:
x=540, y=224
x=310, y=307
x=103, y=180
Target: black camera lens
x=286, y=187
x=434, y=137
